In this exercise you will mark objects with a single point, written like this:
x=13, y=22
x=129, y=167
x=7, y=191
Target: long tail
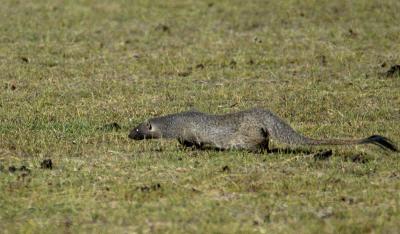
x=378, y=140
x=281, y=131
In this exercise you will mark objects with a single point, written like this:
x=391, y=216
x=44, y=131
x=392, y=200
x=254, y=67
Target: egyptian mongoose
x=251, y=130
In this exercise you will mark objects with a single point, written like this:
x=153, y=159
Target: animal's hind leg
x=260, y=148
x=265, y=144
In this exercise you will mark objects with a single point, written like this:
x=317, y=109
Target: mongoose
x=249, y=130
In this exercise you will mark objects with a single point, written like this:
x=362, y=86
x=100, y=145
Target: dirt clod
x=257, y=40
x=323, y=60
x=184, y=73
x=25, y=59
x=12, y=87
x=348, y=200
x=46, y=164
x=394, y=175
x=352, y=33
x=110, y=127
x=323, y=155
x=12, y=169
x=393, y=71
x=149, y=188
x=325, y=213
x=226, y=168
x=200, y=66
x=163, y=28
x=232, y=63
x=24, y=168
x=359, y=158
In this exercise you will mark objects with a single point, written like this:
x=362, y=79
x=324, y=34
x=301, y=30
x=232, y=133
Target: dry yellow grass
x=67, y=68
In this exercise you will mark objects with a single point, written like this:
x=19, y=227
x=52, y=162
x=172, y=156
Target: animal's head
x=145, y=130
x=168, y=126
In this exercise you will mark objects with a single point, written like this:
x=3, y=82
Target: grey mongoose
x=248, y=130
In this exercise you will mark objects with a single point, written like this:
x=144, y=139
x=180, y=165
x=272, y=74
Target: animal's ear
x=265, y=132
x=148, y=125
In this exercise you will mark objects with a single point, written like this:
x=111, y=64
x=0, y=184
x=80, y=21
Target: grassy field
x=69, y=70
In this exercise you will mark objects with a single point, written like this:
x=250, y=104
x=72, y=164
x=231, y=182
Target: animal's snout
x=136, y=135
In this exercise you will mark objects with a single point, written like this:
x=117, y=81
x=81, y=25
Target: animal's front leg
x=265, y=144
x=190, y=144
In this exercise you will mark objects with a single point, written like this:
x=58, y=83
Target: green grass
x=67, y=68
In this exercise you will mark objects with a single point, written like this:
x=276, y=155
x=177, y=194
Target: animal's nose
x=135, y=135
x=132, y=135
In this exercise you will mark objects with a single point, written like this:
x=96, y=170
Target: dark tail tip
x=382, y=142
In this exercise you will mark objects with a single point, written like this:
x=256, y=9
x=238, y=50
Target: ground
x=76, y=76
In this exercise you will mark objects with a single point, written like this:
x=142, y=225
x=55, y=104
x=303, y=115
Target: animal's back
x=247, y=129
x=240, y=130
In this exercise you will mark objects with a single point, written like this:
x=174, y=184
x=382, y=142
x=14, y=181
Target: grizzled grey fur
x=249, y=129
